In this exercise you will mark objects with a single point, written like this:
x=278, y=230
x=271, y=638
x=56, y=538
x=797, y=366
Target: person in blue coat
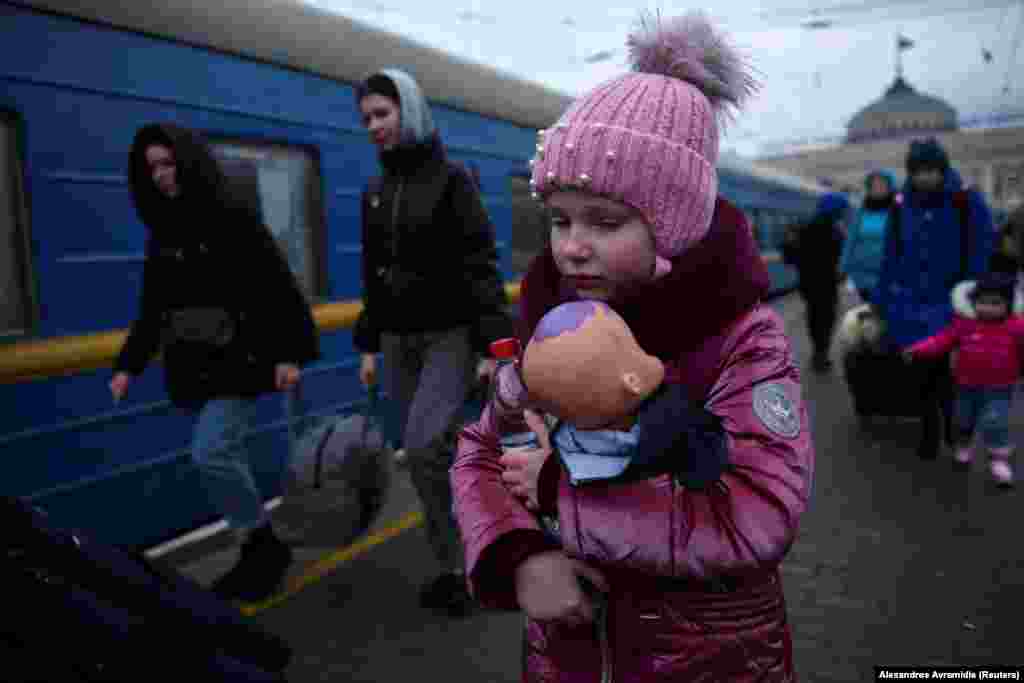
x=938, y=235
x=865, y=240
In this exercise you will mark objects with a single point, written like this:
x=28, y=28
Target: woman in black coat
x=433, y=299
x=220, y=301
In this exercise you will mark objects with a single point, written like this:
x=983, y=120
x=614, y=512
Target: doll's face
x=584, y=366
x=601, y=246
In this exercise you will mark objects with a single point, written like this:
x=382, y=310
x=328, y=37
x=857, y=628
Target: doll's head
x=584, y=366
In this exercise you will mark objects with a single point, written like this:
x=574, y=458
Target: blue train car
x=772, y=200
x=269, y=82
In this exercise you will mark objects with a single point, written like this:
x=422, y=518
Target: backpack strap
x=892, y=228
x=962, y=206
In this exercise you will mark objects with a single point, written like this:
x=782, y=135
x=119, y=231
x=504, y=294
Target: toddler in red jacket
x=988, y=340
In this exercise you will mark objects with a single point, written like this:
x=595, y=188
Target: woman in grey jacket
x=433, y=299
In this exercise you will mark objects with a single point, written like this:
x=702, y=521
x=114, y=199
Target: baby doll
x=614, y=417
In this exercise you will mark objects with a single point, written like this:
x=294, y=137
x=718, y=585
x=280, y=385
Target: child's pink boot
x=999, y=466
x=964, y=455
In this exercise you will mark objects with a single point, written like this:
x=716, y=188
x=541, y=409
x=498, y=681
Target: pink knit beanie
x=649, y=138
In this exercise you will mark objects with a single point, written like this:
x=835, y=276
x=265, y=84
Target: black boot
x=821, y=363
x=262, y=564
x=928, y=447
x=447, y=593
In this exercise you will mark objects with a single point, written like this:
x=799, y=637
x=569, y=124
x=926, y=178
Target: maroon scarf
x=679, y=317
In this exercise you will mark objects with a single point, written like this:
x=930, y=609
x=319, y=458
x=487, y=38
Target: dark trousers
x=429, y=375
x=937, y=407
x=822, y=301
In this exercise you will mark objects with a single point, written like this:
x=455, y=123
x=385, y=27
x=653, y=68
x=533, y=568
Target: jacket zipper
x=394, y=229
x=601, y=607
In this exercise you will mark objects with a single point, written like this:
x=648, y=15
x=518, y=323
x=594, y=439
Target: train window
x=282, y=184
x=15, y=291
x=529, y=225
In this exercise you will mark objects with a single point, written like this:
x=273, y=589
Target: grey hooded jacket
x=429, y=256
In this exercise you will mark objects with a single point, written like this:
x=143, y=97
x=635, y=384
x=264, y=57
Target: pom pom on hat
x=689, y=48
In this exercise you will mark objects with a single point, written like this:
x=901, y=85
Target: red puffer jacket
x=695, y=589
x=988, y=352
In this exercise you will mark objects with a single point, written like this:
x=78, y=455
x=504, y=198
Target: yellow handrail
x=36, y=360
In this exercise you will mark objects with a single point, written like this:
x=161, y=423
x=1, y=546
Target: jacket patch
x=776, y=410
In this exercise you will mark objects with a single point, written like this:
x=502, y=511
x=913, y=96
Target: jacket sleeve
x=288, y=330
x=365, y=335
x=144, y=337
x=749, y=518
x=850, y=244
x=1015, y=323
x=480, y=263
x=937, y=345
x=888, y=267
x=982, y=227
x=498, y=532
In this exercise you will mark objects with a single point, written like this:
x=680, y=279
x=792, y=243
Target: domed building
x=901, y=112
x=877, y=136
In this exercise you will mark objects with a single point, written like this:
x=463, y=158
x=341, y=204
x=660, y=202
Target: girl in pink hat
x=656, y=579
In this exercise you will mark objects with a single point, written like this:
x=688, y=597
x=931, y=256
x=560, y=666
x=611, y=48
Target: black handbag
x=210, y=326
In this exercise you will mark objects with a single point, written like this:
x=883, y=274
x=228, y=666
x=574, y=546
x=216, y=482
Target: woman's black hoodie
x=208, y=248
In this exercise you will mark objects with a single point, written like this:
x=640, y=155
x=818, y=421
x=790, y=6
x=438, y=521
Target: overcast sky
x=813, y=81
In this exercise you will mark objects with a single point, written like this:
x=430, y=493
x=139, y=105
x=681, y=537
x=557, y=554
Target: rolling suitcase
x=86, y=611
x=882, y=384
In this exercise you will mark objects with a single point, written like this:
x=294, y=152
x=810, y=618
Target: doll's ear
x=633, y=383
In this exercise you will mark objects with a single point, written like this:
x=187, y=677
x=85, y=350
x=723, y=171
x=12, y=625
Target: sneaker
x=400, y=457
x=262, y=564
x=1001, y=472
x=447, y=593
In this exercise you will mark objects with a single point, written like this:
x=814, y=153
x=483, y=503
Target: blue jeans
x=987, y=410
x=218, y=450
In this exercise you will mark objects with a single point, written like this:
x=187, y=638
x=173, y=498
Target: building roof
x=297, y=35
x=901, y=112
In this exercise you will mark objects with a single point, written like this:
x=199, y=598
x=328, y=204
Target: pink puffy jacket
x=696, y=593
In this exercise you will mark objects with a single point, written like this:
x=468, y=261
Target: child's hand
x=548, y=588
x=523, y=465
